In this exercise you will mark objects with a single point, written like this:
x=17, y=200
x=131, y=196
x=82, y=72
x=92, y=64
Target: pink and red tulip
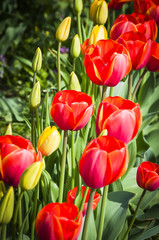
x=148, y=176
x=107, y=62
x=56, y=221
x=16, y=154
x=153, y=62
x=71, y=110
x=138, y=46
x=120, y=117
x=71, y=195
x=117, y=4
x=134, y=23
x=104, y=160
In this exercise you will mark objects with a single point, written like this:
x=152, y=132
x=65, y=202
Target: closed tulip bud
x=78, y=6
x=37, y=60
x=30, y=177
x=8, y=130
x=7, y=206
x=35, y=97
x=63, y=30
x=98, y=33
x=99, y=11
x=74, y=82
x=2, y=189
x=49, y=141
x=75, y=47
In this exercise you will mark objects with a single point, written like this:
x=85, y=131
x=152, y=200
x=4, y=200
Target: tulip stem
x=79, y=26
x=88, y=214
x=47, y=118
x=15, y=215
x=73, y=161
x=102, y=213
x=58, y=66
x=74, y=64
x=104, y=94
x=111, y=91
x=4, y=230
x=130, y=84
x=138, y=84
x=133, y=219
x=34, y=211
x=63, y=163
x=83, y=199
x=38, y=122
x=33, y=130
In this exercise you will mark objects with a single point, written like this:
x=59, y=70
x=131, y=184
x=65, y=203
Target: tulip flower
x=72, y=194
x=35, y=97
x=136, y=23
x=78, y=6
x=16, y=154
x=117, y=4
x=63, y=30
x=71, y=110
x=49, y=141
x=99, y=12
x=37, y=60
x=74, y=82
x=104, y=160
x=107, y=62
x=153, y=62
x=138, y=46
x=57, y=221
x=114, y=113
x=148, y=176
x=75, y=47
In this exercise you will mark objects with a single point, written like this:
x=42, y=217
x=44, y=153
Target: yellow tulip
x=35, y=97
x=75, y=47
x=99, y=11
x=74, y=82
x=78, y=6
x=98, y=33
x=63, y=30
x=37, y=60
x=49, y=141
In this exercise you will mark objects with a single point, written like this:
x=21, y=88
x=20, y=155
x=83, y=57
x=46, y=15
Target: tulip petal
x=153, y=183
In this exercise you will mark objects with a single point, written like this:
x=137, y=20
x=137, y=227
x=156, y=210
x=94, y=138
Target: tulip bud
x=7, y=206
x=78, y=6
x=8, y=130
x=103, y=133
x=37, y=60
x=2, y=189
x=98, y=33
x=35, y=97
x=74, y=82
x=75, y=47
x=99, y=12
x=30, y=177
x=49, y=141
x=63, y=30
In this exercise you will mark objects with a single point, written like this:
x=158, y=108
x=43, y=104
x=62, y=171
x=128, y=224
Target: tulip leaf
x=149, y=233
x=53, y=192
x=142, y=145
x=153, y=138
x=150, y=213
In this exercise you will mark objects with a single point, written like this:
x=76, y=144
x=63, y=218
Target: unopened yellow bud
x=7, y=206
x=2, y=189
x=35, y=97
x=75, y=47
x=31, y=176
x=74, y=82
x=37, y=60
x=98, y=33
x=99, y=11
x=8, y=130
x=63, y=30
x=78, y=6
x=49, y=141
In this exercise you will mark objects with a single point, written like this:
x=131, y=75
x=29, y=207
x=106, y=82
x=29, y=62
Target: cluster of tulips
x=131, y=46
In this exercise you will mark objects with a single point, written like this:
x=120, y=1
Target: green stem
x=102, y=213
x=104, y=92
x=58, y=67
x=47, y=118
x=130, y=85
x=73, y=161
x=4, y=230
x=133, y=219
x=34, y=211
x=88, y=214
x=138, y=84
x=63, y=163
x=33, y=130
x=34, y=79
x=111, y=91
x=38, y=122
x=83, y=199
x=20, y=209
x=74, y=64
x=15, y=215
x=79, y=27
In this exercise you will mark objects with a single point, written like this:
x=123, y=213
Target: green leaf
x=53, y=192
x=149, y=233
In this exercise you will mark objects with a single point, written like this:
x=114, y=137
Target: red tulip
x=153, y=62
x=71, y=110
x=136, y=23
x=56, y=221
x=148, y=176
x=104, y=160
x=138, y=46
x=122, y=118
x=117, y=4
x=16, y=154
x=72, y=194
x=107, y=62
